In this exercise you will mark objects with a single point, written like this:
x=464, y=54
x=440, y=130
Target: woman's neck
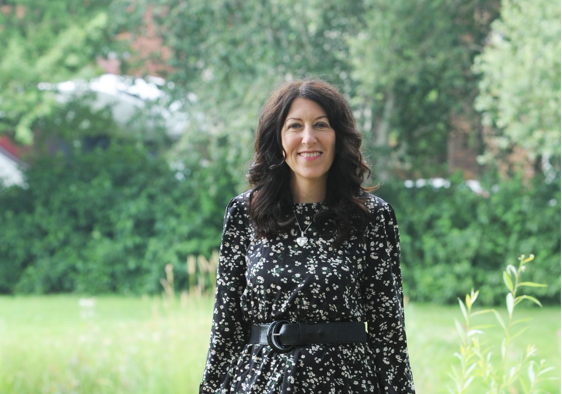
x=308, y=191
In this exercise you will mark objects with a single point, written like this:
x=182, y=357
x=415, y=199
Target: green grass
x=432, y=341
x=132, y=345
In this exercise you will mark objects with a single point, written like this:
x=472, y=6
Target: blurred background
x=127, y=125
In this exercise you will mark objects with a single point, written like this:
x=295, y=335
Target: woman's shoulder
x=239, y=205
x=241, y=199
x=374, y=204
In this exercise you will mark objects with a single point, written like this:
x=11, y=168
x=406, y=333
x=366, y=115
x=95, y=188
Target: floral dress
x=263, y=280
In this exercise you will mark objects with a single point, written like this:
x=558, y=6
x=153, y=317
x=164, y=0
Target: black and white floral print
x=263, y=280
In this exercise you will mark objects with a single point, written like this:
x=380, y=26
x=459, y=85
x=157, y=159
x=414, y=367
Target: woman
x=308, y=256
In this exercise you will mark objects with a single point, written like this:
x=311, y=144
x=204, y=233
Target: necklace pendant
x=302, y=241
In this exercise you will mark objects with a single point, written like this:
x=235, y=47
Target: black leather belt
x=283, y=336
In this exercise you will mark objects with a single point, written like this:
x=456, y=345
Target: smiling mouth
x=310, y=154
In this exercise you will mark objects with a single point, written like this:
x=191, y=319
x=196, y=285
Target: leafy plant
x=525, y=113
x=46, y=42
x=107, y=221
x=508, y=218
x=476, y=358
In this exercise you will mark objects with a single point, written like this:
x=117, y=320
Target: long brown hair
x=271, y=201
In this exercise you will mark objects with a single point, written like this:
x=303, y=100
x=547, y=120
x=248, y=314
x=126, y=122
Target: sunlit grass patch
x=120, y=345
x=57, y=344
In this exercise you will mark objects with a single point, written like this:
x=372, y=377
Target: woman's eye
x=322, y=125
x=294, y=126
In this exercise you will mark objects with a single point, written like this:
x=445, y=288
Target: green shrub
x=107, y=221
x=453, y=238
x=110, y=220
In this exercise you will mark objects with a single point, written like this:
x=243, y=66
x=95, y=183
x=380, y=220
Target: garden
x=126, y=126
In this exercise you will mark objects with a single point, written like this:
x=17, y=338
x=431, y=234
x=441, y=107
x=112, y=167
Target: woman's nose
x=308, y=137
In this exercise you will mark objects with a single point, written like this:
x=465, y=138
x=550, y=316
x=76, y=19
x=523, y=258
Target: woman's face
x=308, y=140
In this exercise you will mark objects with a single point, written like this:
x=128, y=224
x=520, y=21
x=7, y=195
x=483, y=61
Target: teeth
x=310, y=154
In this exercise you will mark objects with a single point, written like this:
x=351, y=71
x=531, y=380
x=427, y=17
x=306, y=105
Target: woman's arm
x=229, y=332
x=382, y=292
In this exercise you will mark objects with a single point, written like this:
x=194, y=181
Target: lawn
x=59, y=344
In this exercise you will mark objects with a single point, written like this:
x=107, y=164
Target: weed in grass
x=511, y=373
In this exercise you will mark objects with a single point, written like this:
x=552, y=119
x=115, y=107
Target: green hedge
x=454, y=239
x=110, y=220
x=107, y=221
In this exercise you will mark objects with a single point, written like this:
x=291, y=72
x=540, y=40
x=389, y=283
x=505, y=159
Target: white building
x=126, y=96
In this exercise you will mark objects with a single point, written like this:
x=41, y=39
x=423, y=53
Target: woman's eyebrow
x=320, y=117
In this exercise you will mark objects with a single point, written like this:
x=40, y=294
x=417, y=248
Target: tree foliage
x=454, y=239
x=45, y=42
x=412, y=65
x=108, y=214
x=520, y=86
x=110, y=220
x=227, y=56
x=405, y=65
x=106, y=221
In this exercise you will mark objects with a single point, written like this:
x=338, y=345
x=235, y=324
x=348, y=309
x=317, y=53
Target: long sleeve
x=229, y=331
x=383, y=298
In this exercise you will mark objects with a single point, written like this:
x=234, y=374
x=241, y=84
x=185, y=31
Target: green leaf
x=482, y=326
x=473, y=296
x=519, y=332
x=532, y=284
x=531, y=350
x=528, y=297
x=507, y=281
x=474, y=332
x=511, y=372
x=467, y=383
x=522, y=320
x=504, y=347
x=463, y=310
x=500, y=320
x=511, y=269
x=531, y=372
x=482, y=312
x=509, y=303
x=543, y=371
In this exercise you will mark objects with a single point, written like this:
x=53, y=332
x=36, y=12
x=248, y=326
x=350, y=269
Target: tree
x=227, y=56
x=45, y=42
x=520, y=87
x=412, y=63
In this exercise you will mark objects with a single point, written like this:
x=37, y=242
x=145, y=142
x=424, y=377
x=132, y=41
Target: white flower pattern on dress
x=263, y=280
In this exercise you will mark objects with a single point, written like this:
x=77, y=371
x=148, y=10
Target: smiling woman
x=308, y=257
x=309, y=144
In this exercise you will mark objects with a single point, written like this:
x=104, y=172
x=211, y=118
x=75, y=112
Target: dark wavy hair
x=271, y=201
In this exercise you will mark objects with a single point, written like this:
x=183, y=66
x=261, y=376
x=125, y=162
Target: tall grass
x=53, y=345
x=202, y=273
x=62, y=344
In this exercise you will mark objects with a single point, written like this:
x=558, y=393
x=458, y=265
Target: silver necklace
x=302, y=240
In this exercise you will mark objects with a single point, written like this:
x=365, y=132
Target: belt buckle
x=273, y=332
